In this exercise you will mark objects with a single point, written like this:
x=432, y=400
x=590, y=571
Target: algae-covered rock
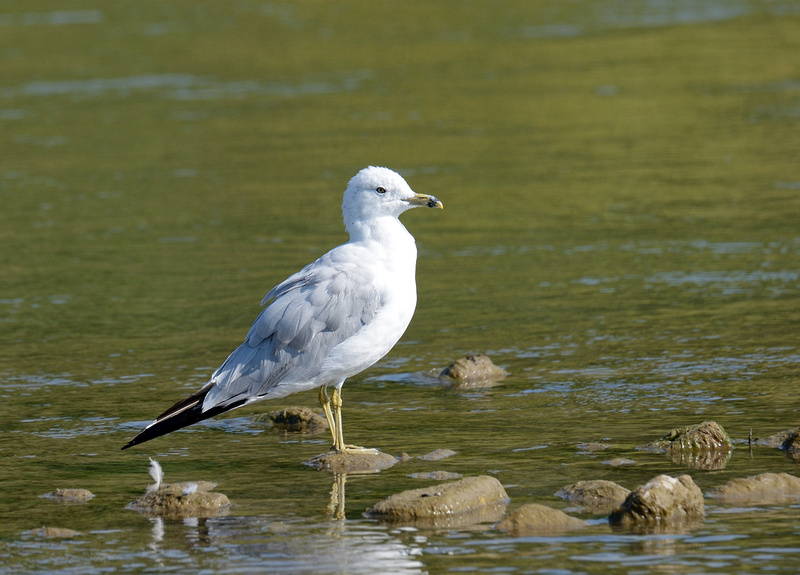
x=596, y=496
x=663, y=501
x=535, y=519
x=367, y=461
x=763, y=489
x=704, y=446
x=473, y=370
x=294, y=420
x=70, y=495
x=465, y=502
x=706, y=436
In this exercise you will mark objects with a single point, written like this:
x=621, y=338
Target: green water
x=622, y=192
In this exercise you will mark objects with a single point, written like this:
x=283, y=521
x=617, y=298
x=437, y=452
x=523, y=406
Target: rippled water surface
x=621, y=184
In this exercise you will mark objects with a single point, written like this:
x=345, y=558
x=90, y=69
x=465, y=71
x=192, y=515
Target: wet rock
x=535, y=519
x=55, y=532
x=70, y=495
x=473, y=371
x=294, y=419
x=367, y=461
x=184, y=499
x=763, y=489
x=465, y=502
x=596, y=496
x=437, y=475
x=663, y=501
x=704, y=446
x=438, y=454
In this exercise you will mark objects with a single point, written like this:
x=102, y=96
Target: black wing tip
x=186, y=412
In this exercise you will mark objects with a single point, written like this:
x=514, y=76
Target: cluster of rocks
x=662, y=504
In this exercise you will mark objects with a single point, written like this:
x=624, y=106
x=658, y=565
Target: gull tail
x=185, y=412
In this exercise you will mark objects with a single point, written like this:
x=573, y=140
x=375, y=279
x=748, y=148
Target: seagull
x=328, y=322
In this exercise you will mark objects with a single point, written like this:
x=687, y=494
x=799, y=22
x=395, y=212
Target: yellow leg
x=325, y=401
x=338, y=441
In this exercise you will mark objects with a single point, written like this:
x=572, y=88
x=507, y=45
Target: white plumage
x=329, y=321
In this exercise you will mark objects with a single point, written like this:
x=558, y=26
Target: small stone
x=437, y=475
x=370, y=460
x=473, y=371
x=55, y=532
x=763, y=489
x=596, y=496
x=664, y=502
x=535, y=519
x=70, y=495
x=294, y=420
x=465, y=502
x=438, y=454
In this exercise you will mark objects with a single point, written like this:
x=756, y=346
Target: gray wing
x=312, y=312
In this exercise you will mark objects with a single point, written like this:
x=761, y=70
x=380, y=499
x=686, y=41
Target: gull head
x=377, y=192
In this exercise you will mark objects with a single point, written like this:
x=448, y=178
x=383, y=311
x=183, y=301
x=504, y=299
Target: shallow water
x=621, y=189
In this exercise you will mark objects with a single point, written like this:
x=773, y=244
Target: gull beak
x=425, y=200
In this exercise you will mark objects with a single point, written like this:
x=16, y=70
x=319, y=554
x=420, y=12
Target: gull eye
x=380, y=190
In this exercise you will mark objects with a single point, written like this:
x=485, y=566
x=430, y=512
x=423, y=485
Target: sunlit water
x=621, y=189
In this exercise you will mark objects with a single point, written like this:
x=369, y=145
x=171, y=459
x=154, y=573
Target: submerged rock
x=70, y=495
x=704, y=446
x=437, y=475
x=54, y=532
x=596, y=496
x=367, y=461
x=535, y=519
x=619, y=462
x=592, y=447
x=438, y=454
x=763, y=489
x=473, y=370
x=663, y=502
x=184, y=499
x=788, y=441
x=465, y=502
x=294, y=419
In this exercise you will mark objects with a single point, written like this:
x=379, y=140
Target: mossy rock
x=706, y=436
